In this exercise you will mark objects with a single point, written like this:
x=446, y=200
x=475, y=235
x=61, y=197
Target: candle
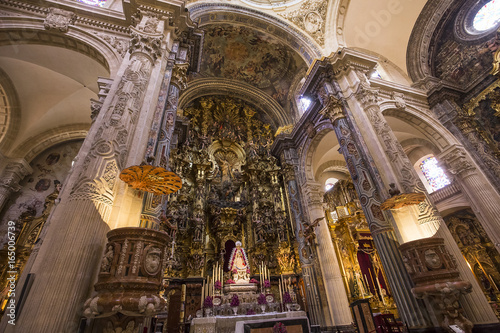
x=202, y=293
x=367, y=284
x=281, y=295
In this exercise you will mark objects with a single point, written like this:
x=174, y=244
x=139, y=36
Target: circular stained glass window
x=488, y=16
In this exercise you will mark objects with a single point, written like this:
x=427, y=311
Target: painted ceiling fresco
x=251, y=56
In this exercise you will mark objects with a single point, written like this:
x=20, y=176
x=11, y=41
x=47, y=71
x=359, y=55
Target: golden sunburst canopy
x=402, y=200
x=151, y=179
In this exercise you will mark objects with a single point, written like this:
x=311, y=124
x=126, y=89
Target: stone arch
x=9, y=112
x=309, y=148
x=422, y=35
x=238, y=89
x=437, y=134
x=205, y=14
x=33, y=146
x=331, y=166
x=32, y=32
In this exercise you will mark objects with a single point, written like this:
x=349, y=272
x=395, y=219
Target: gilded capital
x=179, y=75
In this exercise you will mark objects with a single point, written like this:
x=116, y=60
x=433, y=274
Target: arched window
x=434, y=174
x=330, y=182
x=97, y=3
x=488, y=16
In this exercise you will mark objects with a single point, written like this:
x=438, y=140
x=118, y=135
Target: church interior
x=249, y=166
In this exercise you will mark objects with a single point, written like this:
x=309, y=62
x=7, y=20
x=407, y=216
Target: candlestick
x=367, y=284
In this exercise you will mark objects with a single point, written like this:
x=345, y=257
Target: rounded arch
x=205, y=14
x=238, y=89
x=432, y=129
x=15, y=31
x=310, y=146
x=422, y=35
x=9, y=112
x=33, y=146
x=331, y=166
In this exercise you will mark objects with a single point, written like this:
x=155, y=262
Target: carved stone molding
x=399, y=100
x=367, y=96
x=457, y=161
x=59, y=19
x=13, y=173
x=179, y=75
x=334, y=109
x=310, y=17
x=130, y=285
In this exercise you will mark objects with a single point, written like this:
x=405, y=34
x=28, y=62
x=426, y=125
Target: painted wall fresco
x=51, y=165
x=251, y=56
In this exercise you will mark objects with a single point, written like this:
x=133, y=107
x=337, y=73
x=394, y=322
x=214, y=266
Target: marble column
x=68, y=259
x=327, y=257
x=14, y=172
x=387, y=151
x=160, y=136
x=369, y=187
x=485, y=202
x=315, y=309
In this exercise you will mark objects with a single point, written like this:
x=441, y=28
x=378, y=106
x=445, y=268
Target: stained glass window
x=97, y=3
x=488, y=16
x=435, y=175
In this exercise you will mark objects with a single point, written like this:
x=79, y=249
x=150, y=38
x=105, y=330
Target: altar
x=295, y=321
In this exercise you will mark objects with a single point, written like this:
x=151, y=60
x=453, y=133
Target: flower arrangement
x=217, y=285
x=253, y=281
x=287, y=299
x=234, y=271
x=248, y=271
x=235, y=301
x=250, y=312
x=208, y=303
x=230, y=281
x=262, y=299
x=267, y=284
x=279, y=328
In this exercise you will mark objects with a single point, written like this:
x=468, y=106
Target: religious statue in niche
x=238, y=265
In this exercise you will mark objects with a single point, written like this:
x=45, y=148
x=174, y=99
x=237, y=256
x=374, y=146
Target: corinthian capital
x=366, y=95
x=14, y=172
x=457, y=161
x=179, y=75
x=333, y=109
x=147, y=36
